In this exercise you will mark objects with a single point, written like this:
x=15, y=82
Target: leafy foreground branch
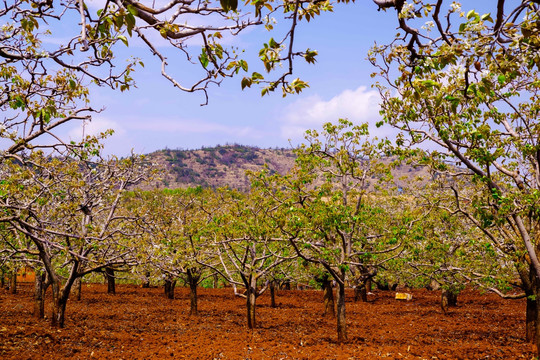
x=465, y=85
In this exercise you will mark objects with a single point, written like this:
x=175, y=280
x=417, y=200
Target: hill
x=226, y=166
x=218, y=166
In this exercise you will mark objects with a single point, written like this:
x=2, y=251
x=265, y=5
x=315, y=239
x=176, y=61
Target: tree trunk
x=529, y=284
x=13, y=286
x=215, y=281
x=250, y=301
x=56, y=314
x=146, y=282
x=193, y=307
x=448, y=299
x=328, y=297
x=287, y=285
x=169, y=288
x=360, y=293
x=59, y=310
x=444, y=302
x=537, y=322
x=60, y=298
x=341, y=318
x=77, y=288
x=193, y=277
x=61, y=294
x=369, y=283
x=533, y=313
x=530, y=321
x=2, y=277
x=272, y=294
x=39, y=297
x=452, y=299
x=111, y=280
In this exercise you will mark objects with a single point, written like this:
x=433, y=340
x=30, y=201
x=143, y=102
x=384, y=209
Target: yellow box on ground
x=403, y=296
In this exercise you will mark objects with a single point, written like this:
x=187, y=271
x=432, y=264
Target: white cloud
x=360, y=105
x=94, y=127
x=95, y=4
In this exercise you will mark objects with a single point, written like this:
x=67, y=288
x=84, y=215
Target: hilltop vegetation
x=226, y=165
x=217, y=166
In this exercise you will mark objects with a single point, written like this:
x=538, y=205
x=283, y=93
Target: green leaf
x=124, y=39
x=132, y=10
x=257, y=76
x=472, y=14
x=218, y=50
x=244, y=65
x=273, y=44
x=119, y=21
x=310, y=56
x=486, y=17
x=46, y=117
x=431, y=83
x=228, y=5
x=246, y=82
x=17, y=102
x=203, y=58
x=130, y=22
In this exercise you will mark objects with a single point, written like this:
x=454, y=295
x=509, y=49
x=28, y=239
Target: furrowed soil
x=139, y=323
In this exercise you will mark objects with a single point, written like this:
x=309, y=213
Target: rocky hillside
x=218, y=166
x=227, y=165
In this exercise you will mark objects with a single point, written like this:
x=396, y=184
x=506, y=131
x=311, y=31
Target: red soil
x=141, y=323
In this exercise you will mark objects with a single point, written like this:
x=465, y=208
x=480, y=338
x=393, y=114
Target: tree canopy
x=464, y=87
x=461, y=86
x=51, y=51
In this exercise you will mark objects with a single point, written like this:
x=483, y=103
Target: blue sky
x=155, y=115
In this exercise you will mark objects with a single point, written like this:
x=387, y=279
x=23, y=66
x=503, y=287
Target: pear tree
x=463, y=85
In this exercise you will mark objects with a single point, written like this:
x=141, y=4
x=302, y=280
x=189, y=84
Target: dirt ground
x=141, y=323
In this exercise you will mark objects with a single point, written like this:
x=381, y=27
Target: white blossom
x=407, y=11
x=428, y=25
x=455, y=7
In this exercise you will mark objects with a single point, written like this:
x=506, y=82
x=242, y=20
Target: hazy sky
x=155, y=115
